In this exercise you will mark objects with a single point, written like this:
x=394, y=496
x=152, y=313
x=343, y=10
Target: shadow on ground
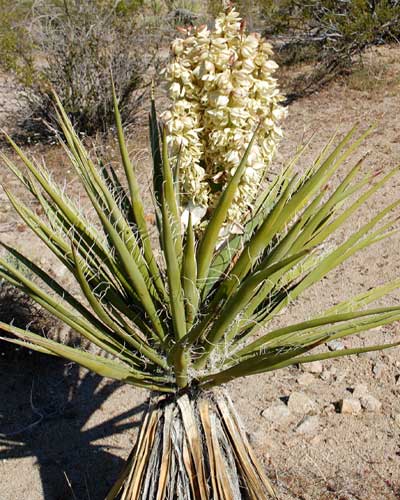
x=45, y=407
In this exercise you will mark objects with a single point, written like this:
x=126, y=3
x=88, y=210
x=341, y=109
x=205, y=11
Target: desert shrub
x=71, y=47
x=329, y=33
x=80, y=43
x=15, y=45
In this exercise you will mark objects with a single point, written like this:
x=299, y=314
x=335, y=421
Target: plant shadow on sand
x=45, y=407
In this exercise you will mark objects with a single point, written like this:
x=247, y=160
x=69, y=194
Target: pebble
x=300, y=403
x=314, y=367
x=316, y=440
x=335, y=345
x=360, y=390
x=306, y=379
x=260, y=436
x=350, y=406
x=370, y=403
x=276, y=413
x=308, y=425
x=328, y=374
x=325, y=375
x=378, y=369
x=328, y=409
x=397, y=420
x=331, y=485
x=60, y=272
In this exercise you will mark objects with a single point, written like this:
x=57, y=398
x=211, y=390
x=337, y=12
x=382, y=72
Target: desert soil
x=65, y=433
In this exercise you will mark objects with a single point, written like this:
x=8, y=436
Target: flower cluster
x=222, y=87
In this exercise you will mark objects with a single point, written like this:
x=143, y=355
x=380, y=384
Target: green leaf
x=211, y=233
x=291, y=358
x=104, y=367
x=169, y=196
x=289, y=204
x=358, y=241
x=363, y=298
x=94, y=255
x=189, y=276
x=102, y=200
x=227, y=253
x=137, y=203
x=100, y=337
x=173, y=274
x=156, y=154
x=122, y=330
x=238, y=303
x=285, y=334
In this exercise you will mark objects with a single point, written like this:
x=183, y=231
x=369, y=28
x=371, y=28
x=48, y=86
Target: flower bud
x=175, y=91
x=218, y=99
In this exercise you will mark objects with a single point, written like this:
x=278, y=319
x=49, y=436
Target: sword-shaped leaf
x=137, y=203
x=209, y=240
x=121, y=327
x=104, y=367
x=173, y=273
x=169, y=199
x=189, y=276
x=281, y=335
x=304, y=192
x=240, y=300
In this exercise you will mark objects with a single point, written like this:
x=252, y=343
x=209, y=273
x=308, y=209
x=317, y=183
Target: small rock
x=342, y=375
x=308, y=425
x=350, y=406
x=306, y=379
x=370, y=403
x=325, y=375
x=258, y=437
x=378, y=369
x=331, y=485
x=60, y=272
x=335, y=345
x=328, y=409
x=300, y=403
x=276, y=413
x=397, y=420
x=316, y=440
x=360, y=390
x=314, y=367
x=389, y=359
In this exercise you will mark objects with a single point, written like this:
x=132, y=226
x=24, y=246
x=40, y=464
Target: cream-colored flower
x=222, y=88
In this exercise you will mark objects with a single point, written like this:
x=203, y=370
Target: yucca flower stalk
x=183, y=319
x=222, y=88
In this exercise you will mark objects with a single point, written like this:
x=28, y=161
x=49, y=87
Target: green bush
x=81, y=43
x=328, y=33
x=15, y=45
x=71, y=46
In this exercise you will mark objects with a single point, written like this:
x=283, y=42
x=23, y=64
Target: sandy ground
x=65, y=433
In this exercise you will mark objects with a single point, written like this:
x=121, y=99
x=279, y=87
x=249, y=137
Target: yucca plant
x=183, y=316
